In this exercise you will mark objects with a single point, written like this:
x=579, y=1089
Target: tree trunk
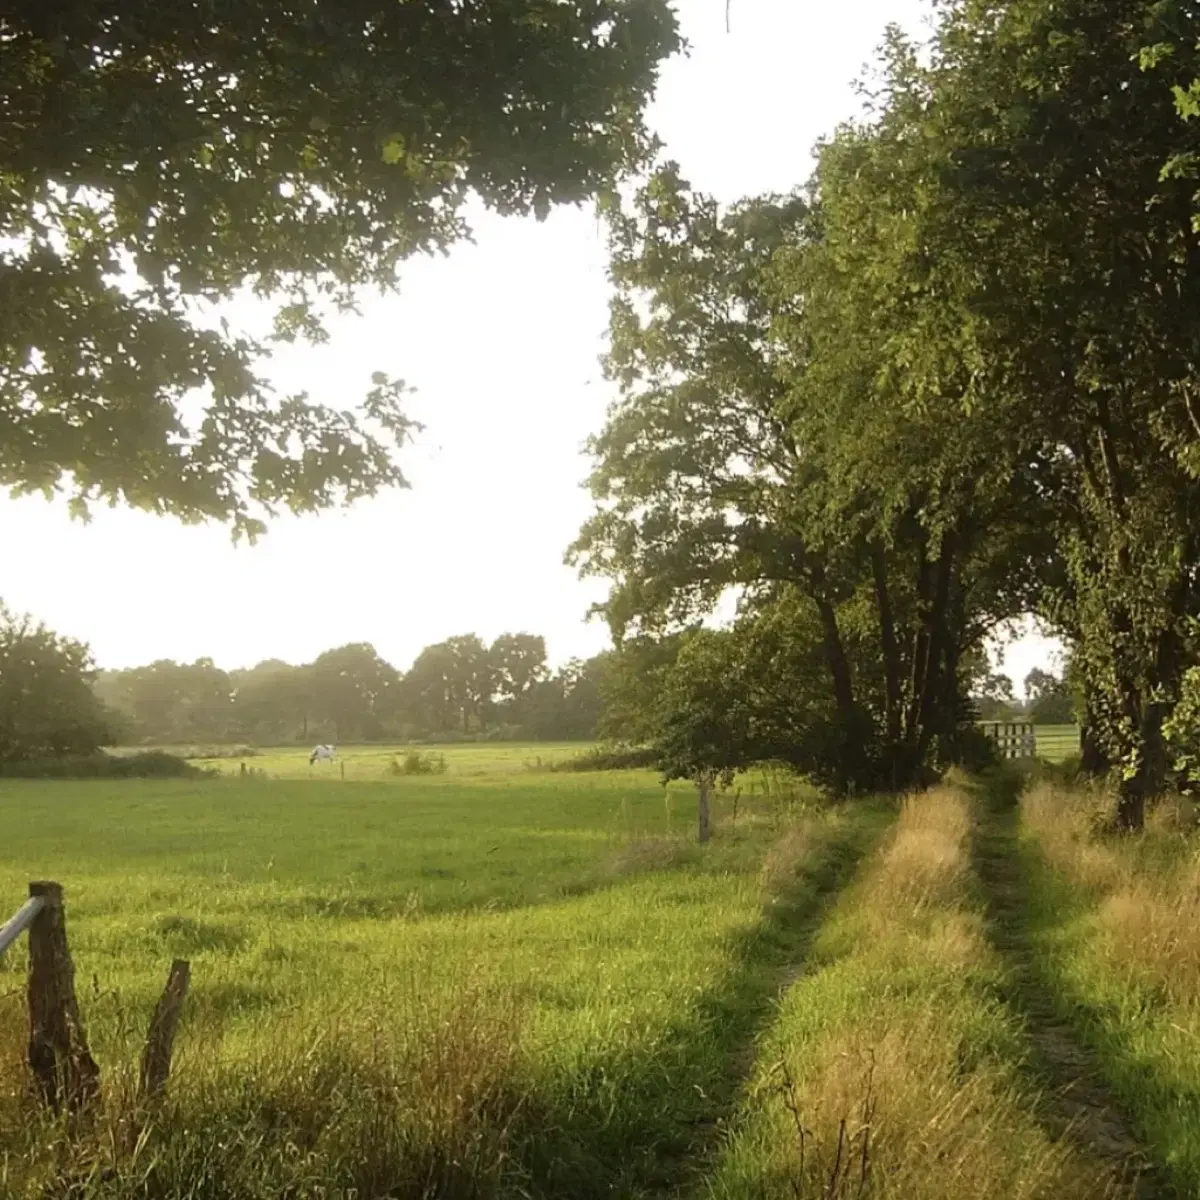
x=890, y=647
x=938, y=642
x=835, y=649
x=1093, y=758
x=704, y=786
x=1131, y=803
x=920, y=648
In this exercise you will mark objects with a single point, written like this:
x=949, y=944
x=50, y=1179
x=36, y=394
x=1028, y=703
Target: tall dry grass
x=1146, y=888
x=410, y=1094
x=893, y=1070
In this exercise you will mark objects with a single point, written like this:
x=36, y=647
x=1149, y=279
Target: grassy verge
x=517, y=986
x=1115, y=926
x=893, y=1068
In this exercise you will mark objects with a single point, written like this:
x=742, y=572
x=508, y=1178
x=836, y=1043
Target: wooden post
x=342, y=764
x=704, y=787
x=160, y=1040
x=58, y=1051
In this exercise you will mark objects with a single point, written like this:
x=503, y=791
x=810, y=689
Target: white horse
x=322, y=754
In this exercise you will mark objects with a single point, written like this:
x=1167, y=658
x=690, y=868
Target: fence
x=66, y=1074
x=1015, y=739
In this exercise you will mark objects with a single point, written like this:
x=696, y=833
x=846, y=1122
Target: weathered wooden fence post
x=160, y=1041
x=704, y=786
x=58, y=1050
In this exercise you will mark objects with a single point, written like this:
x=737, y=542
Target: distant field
x=1056, y=742
x=367, y=762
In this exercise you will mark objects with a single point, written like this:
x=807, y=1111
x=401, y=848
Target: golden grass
x=1147, y=887
x=787, y=856
x=893, y=1069
x=407, y=1088
x=1115, y=923
x=893, y=1114
x=650, y=854
x=1067, y=824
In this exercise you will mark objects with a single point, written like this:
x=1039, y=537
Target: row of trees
x=952, y=380
x=1049, y=699
x=161, y=160
x=457, y=687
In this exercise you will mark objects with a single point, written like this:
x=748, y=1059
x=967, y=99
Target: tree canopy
x=47, y=706
x=952, y=379
x=156, y=160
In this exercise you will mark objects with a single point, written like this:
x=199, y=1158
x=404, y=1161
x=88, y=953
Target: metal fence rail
x=15, y=926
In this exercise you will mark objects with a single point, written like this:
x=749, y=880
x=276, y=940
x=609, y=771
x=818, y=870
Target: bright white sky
x=501, y=340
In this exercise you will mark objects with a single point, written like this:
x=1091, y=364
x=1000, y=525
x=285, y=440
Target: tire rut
x=1081, y=1107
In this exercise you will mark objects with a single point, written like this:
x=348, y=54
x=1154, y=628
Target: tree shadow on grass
x=1061, y=1064
x=649, y=1122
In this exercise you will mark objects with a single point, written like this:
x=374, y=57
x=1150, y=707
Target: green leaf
x=393, y=149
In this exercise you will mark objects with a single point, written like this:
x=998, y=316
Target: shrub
x=218, y=752
x=971, y=749
x=416, y=763
x=610, y=758
x=153, y=764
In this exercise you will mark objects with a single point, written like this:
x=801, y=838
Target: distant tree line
x=459, y=688
x=1050, y=698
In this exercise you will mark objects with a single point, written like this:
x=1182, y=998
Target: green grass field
x=506, y=981
x=1057, y=742
x=331, y=922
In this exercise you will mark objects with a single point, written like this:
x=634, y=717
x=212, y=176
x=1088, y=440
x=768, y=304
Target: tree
x=757, y=449
x=429, y=699
x=451, y=685
x=159, y=159
x=704, y=723
x=167, y=701
x=353, y=691
x=472, y=679
x=1060, y=265
x=991, y=692
x=1173, y=51
x=518, y=661
x=273, y=702
x=567, y=706
x=1049, y=697
x=47, y=706
x=719, y=701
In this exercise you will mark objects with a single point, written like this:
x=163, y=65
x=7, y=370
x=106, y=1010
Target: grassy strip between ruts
x=1115, y=928
x=586, y=1045
x=894, y=1068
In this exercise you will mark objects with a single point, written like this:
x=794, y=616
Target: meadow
x=510, y=981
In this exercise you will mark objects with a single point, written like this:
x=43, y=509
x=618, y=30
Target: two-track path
x=1081, y=1107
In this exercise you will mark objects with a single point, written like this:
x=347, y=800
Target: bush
x=218, y=752
x=504, y=733
x=610, y=758
x=416, y=763
x=969, y=748
x=153, y=764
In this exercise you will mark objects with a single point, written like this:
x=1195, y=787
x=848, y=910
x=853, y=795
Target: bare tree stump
x=160, y=1040
x=58, y=1051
